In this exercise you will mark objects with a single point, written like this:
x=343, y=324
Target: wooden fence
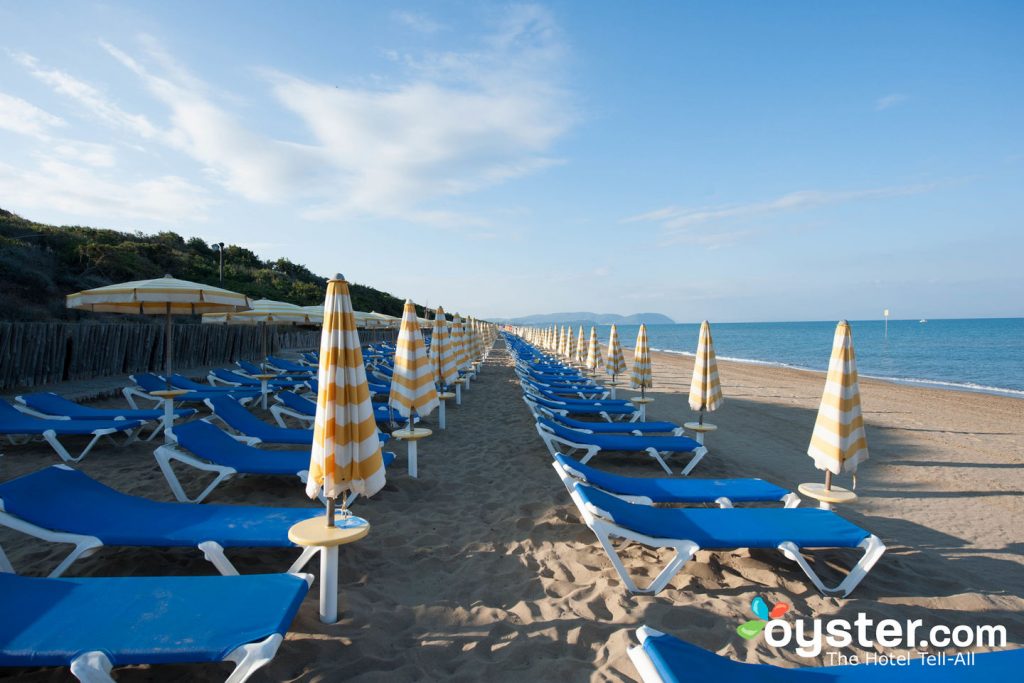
x=42, y=353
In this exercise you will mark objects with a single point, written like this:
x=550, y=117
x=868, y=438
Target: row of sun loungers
x=613, y=506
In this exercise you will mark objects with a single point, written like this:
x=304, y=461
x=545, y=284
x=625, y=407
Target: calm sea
x=975, y=354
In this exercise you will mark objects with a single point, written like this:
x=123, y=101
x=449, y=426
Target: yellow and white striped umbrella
x=838, y=443
x=595, y=361
x=563, y=343
x=412, y=384
x=346, y=449
x=459, y=343
x=165, y=296
x=441, y=358
x=570, y=344
x=705, y=389
x=266, y=311
x=616, y=361
x=581, y=348
x=641, y=377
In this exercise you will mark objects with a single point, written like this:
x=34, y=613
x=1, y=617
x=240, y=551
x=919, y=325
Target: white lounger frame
x=638, y=655
x=133, y=393
x=50, y=437
x=95, y=667
x=88, y=545
x=600, y=522
x=552, y=441
x=280, y=411
x=132, y=435
x=570, y=477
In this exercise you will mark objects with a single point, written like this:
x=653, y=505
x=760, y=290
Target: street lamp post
x=220, y=250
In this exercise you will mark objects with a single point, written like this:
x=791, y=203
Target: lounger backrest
x=236, y=415
x=249, y=367
x=211, y=443
x=230, y=376
x=561, y=430
x=51, y=404
x=10, y=414
x=149, y=382
x=297, y=403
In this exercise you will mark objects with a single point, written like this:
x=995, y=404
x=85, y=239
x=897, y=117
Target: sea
x=978, y=354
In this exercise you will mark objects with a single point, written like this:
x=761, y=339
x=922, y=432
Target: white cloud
x=888, y=101
x=681, y=223
x=416, y=21
x=24, y=118
x=89, y=97
x=93, y=154
x=58, y=185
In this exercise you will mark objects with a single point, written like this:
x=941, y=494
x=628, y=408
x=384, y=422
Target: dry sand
x=480, y=569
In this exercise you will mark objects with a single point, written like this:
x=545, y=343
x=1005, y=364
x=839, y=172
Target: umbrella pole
x=168, y=348
x=263, y=347
x=828, y=480
x=330, y=512
x=700, y=420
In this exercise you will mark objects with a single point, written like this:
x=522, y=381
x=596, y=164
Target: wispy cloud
x=681, y=223
x=449, y=124
x=24, y=118
x=58, y=185
x=417, y=21
x=889, y=101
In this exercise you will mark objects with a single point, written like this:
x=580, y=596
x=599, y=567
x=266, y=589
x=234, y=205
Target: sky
x=726, y=161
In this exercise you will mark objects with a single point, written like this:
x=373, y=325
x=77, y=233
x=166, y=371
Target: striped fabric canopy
x=563, y=342
x=581, y=348
x=346, y=449
x=705, y=389
x=458, y=338
x=641, y=377
x=159, y=296
x=412, y=384
x=595, y=361
x=441, y=359
x=838, y=443
x=268, y=312
x=616, y=361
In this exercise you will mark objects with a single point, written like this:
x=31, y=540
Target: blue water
x=984, y=354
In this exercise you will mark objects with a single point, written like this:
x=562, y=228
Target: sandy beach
x=480, y=569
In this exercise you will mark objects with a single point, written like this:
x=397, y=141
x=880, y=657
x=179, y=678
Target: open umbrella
x=705, y=389
x=838, y=443
x=641, y=377
x=595, y=361
x=265, y=312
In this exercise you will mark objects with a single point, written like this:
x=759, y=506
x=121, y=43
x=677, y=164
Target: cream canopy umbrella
x=616, y=361
x=838, y=443
x=384, y=319
x=266, y=312
x=165, y=296
x=705, y=389
x=595, y=361
x=641, y=376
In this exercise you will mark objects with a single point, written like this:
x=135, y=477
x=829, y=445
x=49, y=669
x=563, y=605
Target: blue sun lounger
x=147, y=382
x=571, y=392
x=648, y=490
x=37, y=504
x=94, y=624
x=212, y=450
x=250, y=368
x=661, y=658
x=54, y=407
x=687, y=530
x=561, y=439
x=290, y=367
x=230, y=378
x=602, y=408
x=19, y=428
x=300, y=408
x=637, y=428
x=237, y=417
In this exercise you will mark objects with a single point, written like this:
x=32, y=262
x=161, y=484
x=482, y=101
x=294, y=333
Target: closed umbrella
x=595, y=361
x=581, y=348
x=705, y=389
x=412, y=384
x=641, y=377
x=616, y=361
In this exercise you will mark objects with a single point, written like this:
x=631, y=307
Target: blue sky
x=728, y=161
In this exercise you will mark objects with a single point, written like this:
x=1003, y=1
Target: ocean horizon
x=964, y=354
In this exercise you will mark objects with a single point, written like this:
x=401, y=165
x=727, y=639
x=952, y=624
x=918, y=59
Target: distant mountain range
x=592, y=318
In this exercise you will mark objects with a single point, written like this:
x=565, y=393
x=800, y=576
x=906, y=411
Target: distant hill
x=40, y=264
x=593, y=319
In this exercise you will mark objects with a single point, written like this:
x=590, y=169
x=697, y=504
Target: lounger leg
x=303, y=559
x=685, y=550
x=697, y=455
x=50, y=437
x=653, y=452
x=214, y=554
x=5, y=564
x=82, y=549
x=163, y=459
x=252, y=656
x=92, y=667
x=591, y=451
x=873, y=550
x=791, y=500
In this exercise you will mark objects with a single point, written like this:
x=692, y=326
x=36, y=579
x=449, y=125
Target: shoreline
x=944, y=385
